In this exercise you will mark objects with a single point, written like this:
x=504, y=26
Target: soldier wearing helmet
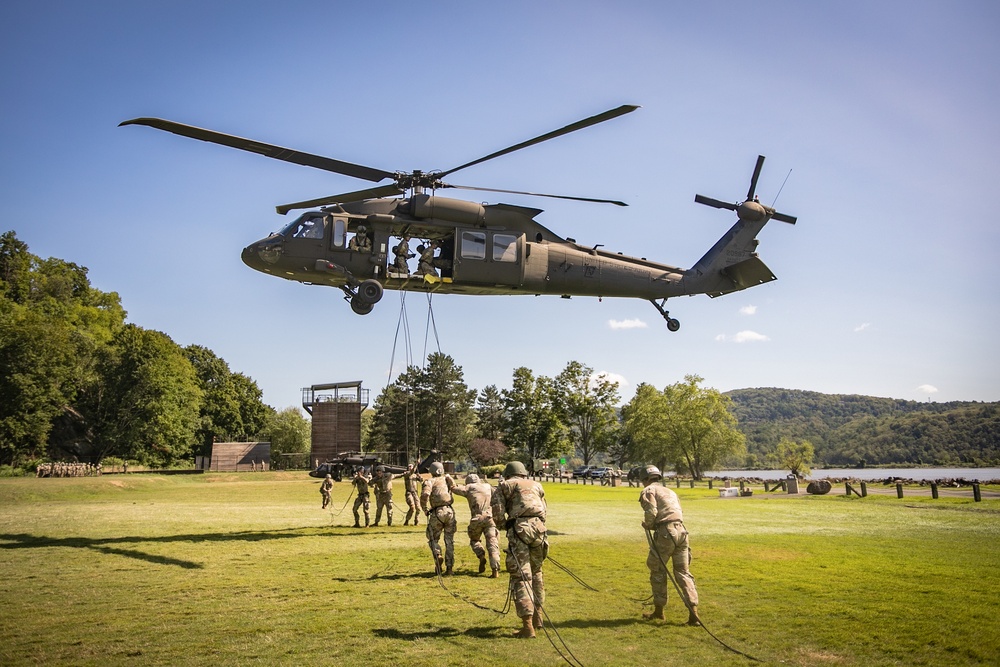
x=436, y=500
x=383, y=494
x=481, y=526
x=663, y=519
x=411, y=481
x=519, y=503
x=361, y=241
x=324, y=490
x=361, y=482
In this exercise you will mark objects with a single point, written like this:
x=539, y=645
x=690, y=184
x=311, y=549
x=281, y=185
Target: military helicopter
x=471, y=248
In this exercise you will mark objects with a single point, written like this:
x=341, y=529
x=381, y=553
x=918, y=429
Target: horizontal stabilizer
x=748, y=273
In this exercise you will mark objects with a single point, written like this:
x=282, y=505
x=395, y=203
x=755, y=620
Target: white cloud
x=627, y=324
x=861, y=327
x=605, y=376
x=927, y=389
x=743, y=337
x=748, y=310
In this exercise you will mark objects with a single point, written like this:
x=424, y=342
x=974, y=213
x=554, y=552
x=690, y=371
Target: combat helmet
x=437, y=469
x=515, y=469
x=472, y=478
x=650, y=473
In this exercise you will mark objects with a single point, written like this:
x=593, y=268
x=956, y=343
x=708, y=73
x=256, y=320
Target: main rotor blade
x=715, y=203
x=781, y=217
x=358, y=195
x=267, y=150
x=579, y=125
x=756, y=175
x=536, y=194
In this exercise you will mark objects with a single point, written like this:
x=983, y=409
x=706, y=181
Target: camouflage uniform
x=361, y=482
x=411, y=480
x=426, y=265
x=383, y=495
x=663, y=518
x=402, y=254
x=436, y=500
x=480, y=496
x=520, y=503
x=324, y=490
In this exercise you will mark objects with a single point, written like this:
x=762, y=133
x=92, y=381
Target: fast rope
x=334, y=514
x=431, y=324
x=687, y=603
x=526, y=582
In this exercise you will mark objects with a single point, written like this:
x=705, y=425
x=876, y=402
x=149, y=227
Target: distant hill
x=851, y=430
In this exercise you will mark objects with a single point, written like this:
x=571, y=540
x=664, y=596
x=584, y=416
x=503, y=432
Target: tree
x=686, y=426
x=490, y=413
x=145, y=403
x=532, y=427
x=586, y=404
x=231, y=408
x=484, y=451
x=795, y=456
x=289, y=432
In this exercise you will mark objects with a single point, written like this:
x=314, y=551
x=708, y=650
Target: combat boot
x=656, y=614
x=357, y=525
x=693, y=618
x=527, y=630
x=496, y=573
x=482, y=564
x=537, y=618
x=447, y=572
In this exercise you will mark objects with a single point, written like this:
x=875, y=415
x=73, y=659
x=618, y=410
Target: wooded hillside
x=851, y=430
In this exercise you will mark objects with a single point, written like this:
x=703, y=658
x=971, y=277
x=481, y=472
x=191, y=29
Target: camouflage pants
x=484, y=528
x=358, y=502
x=413, y=506
x=383, y=501
x=326, y=498
x=670, y=542
x=526, y=551
x=442, y=520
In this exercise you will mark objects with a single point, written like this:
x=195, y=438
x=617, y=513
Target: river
x=867, y=474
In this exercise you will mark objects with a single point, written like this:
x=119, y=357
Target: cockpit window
x=504, y=248
x=306, y=227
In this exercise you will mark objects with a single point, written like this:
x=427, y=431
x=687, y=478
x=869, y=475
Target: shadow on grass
x=437, y=633
x=104, y=545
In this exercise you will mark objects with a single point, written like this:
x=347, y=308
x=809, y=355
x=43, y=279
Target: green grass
x=241, y=569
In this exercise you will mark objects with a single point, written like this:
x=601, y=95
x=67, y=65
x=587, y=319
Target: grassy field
x=241, y=569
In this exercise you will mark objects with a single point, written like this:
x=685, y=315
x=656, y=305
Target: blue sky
x=885, y=114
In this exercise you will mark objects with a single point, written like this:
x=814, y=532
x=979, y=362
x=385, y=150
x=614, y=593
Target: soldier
x=360, y=242
x=426, y=264
x=360, y=482
x=436, y=500
x=324, y=490
x=383, y=495
x=480, y=496
x=410, y=480
x=519, y=502
x=663, y=519
x=402, y=253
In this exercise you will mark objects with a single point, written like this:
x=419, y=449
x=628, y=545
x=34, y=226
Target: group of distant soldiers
x=518, y=504
x=61, y=469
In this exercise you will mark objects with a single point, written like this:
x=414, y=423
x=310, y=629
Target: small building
x=240, y=457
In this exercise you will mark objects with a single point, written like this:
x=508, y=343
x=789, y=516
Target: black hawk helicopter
x=470, y=248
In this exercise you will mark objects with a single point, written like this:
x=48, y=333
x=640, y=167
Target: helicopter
x=471, y=248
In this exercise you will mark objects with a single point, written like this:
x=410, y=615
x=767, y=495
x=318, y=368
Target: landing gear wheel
x=370, y=291
x=361, y=307
x=672, y=324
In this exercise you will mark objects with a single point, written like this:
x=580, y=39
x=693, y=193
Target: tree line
x=77, y=382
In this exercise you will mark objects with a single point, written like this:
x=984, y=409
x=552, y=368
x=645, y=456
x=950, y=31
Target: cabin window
x=305, y=228
x=504, y=248
x=473, y=245
x=339, y=232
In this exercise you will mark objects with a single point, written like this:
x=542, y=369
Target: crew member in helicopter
x=402, y=253
x=426, y=266
x=361, y=241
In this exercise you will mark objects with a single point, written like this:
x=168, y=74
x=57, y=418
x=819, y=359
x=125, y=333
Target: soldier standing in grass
x=411, y=478
x=519, y=502
x=669, y=539
x=361, y=482
x=324, y=490
x=383, y=494
x=480, y=496
x=436, y=500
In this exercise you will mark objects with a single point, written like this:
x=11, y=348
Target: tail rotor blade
x=756, y=175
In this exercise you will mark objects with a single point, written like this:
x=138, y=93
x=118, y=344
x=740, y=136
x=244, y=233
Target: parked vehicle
x=582, y=471
x=600, y=473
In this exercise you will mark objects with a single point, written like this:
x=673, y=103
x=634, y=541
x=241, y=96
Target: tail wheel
x=370, y=291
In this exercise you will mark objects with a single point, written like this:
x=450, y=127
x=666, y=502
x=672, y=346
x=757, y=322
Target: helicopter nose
x=262, y=254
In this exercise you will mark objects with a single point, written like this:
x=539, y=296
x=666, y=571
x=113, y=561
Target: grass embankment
x=247, y=569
